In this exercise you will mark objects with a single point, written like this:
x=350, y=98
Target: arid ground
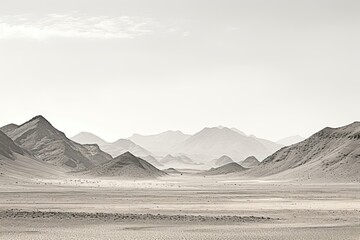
x=178, y=207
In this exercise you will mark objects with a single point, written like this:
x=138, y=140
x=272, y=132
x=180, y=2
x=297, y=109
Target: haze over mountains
x=202, y=147
x=291, y=140
x=218, y=141
x=162, y=143
x=207, y=144
x=114, y=149
x=180, y=161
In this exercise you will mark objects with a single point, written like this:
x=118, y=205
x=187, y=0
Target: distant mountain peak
x=127, y=154
x=38, y=120
x=250, y=162
x=232, y=167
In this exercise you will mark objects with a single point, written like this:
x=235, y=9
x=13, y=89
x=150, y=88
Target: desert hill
x=222, y=161
x=225, y=169
x=127, y=166
x=332, y=154
x=249, y=162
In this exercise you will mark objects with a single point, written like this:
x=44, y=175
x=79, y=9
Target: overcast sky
x=114, y=67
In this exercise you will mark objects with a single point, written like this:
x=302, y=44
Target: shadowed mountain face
x=331, y=154
x=249, y=162
x=225, y=169
x=8, y=147
x=8, y=128
x=222, y=161
x=16, y=163
x=114, y=149
x=49, y=144
x=127, y=166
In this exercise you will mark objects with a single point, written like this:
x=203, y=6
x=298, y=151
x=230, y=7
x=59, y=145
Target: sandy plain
x=178, y=207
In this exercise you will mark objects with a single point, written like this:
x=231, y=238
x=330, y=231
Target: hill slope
x=127, y=166
x=331, y=154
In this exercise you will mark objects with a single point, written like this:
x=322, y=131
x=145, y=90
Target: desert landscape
x=179, y=120
x=125, y=197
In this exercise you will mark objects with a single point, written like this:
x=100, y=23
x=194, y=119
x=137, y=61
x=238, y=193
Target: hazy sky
x=114, y=67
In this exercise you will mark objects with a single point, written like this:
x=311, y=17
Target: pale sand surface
x=180, y=207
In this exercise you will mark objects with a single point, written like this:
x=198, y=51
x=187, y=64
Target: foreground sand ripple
x=16, y=213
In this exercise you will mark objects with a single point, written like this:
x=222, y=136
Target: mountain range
x=215, y=142
x=37, y=149
x=38, y=143
x=47, y=143
x=202, y=147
